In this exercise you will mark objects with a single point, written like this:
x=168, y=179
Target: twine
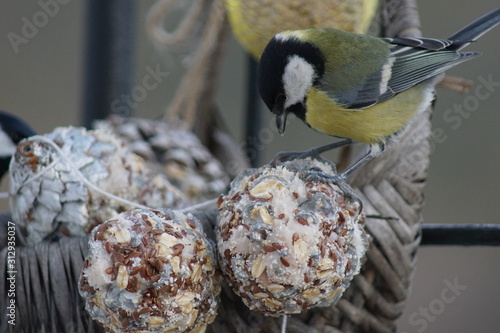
x=89, y=184
x=196, y=87
x=200, y=206
x=73, y=168
x=156, y=16
x=193, y=100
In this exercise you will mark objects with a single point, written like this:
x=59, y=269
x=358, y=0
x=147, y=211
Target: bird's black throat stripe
x=299, y=110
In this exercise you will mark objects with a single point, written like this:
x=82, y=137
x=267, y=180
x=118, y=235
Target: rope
x=77, y=172
x=200, y=206
x=62, y=156
x=44, y=170
x=196, y=88
x=186, y=102
x=156, y=17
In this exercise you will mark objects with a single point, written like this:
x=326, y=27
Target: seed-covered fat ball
x=287, y=241
x=150, y=271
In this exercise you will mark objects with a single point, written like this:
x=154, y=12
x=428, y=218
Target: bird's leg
x=321, y=176
x=374, y=151
x=338, y=179
x=285, y=156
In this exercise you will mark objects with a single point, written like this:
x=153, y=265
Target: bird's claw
x=286, y=156
x=338, y=179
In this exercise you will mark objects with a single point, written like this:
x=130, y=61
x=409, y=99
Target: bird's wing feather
x=423, y=43
x=413, y=65
x=411, y=61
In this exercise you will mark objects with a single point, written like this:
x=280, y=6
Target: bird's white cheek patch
x=297, y=79
x=7, y=147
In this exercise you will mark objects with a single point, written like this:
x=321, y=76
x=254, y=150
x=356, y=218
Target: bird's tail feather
x=476, y=29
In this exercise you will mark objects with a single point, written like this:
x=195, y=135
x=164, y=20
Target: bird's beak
x=281, y=121
x=280, y=112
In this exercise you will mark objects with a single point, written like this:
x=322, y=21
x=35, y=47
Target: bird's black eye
x=280, y=98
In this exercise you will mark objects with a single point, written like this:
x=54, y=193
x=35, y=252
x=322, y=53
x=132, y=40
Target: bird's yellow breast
x=255, y=22
x=370, y=125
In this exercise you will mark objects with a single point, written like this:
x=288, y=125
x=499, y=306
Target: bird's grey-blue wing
x=411, y=61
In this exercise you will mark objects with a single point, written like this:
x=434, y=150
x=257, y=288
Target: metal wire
x=461, y=234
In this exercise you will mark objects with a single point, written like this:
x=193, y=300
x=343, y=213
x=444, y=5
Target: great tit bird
x=12, y=130
x=358, y=87
x=255, y=22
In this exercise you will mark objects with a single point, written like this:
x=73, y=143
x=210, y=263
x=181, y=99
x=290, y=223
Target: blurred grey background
x=42, y=83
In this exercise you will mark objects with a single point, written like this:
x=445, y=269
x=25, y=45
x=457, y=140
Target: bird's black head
x=288, y=68
x=12, y=131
